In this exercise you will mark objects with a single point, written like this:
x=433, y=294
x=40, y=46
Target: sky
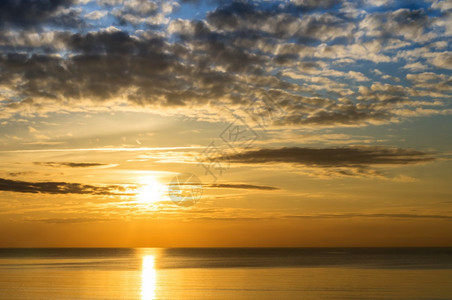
x=294, y=123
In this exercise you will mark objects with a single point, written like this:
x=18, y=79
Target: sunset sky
x=303, y=123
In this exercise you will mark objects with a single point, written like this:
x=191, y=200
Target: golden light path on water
x=148, y=278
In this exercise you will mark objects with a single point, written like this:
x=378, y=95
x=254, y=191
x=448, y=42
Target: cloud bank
x=326, y=63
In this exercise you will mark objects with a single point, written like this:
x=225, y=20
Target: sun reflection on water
x=148, y=278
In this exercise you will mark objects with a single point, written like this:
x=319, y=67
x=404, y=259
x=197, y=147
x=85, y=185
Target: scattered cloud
x=140, y=55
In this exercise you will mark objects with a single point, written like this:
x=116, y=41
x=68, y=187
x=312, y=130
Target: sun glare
x=151, y=191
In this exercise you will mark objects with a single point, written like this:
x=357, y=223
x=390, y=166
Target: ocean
x=226, y=273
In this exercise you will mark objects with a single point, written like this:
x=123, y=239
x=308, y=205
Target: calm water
x=225, y=273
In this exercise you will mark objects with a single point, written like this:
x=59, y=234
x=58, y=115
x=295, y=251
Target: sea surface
x=226, y=273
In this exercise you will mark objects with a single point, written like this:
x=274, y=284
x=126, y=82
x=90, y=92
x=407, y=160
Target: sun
x=151, y=191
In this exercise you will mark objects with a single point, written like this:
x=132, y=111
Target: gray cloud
x=243, y=186
x=59, y=188
x=26, y=13
x=315, y=4
x=71, y=164
x=282, y=22
x=333, y=157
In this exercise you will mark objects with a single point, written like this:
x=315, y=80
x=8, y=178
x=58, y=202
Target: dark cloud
x=140, y=13
x=360, y=215
x=213, y=47
x=111, y=63
x=333, y=157
x=68, y=19
x=70, y=164
x=315, y=4
x=116, y=42
x=105, y=64
x=59, y=188
x=243, y=186
x=280, y=22
x=25, y=13
x=231, y=15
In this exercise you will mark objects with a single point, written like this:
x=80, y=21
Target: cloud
x=281, y=21
x=148, y=12
x=242, y=186
x=96, y=15
x=73, y=164
x=311, y=56
x=344, y=161
x=26, y=13
x=425, y=77
x=416, y=66
x=65, y=220
x=16, y=174
x=443, y=60
x=333, y=157
x=442, y=5
x=105, y=149
x=410, y=24
x=361, y=215
x=59, y=188
x=331, y=216
x=431, y=81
